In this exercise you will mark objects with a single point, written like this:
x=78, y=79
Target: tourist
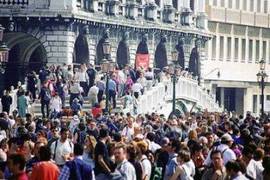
x=45, y=169
x=62, y=149
x=124, y=169
x=22, y=105
x=6, y=101
x=218, y=170
x=45, y=97
x=77, y=168
x=16, y=165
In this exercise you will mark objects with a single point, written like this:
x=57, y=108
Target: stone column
x=222, y=96
x=254, y=50
x=61, y=43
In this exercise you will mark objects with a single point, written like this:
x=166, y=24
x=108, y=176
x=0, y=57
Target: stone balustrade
x=129, y=9
x=159, y=97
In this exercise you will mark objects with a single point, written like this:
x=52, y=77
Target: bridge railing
x=158, y=96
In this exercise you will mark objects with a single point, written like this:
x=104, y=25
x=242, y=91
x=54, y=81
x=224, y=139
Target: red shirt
x=20, y=176
x=96, y=111
x=45, y=170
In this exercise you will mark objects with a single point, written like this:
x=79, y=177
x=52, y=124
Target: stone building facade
x=68, y=31
x=241, y=39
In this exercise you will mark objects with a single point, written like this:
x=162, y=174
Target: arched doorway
x=26, y=54
x=81, y=51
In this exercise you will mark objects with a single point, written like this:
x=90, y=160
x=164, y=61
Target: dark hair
x=63, y=129
x=150, y=136
x=44, y=153
x=215, y=152
x=78, y=149
x=103, y=133
x=233, y=165
x=247, y=151
x=176, y=144
x=184, y=154
x=18, y=159
x=266, y=163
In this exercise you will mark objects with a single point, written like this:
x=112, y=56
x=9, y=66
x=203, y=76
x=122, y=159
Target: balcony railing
x=14, y=2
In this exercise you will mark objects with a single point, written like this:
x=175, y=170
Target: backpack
x=47, y=96
x=81, y=136
x=156, y=173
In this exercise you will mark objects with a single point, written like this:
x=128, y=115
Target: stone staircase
x=36, y=106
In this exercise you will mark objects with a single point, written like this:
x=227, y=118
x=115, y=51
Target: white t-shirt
x=146, y=167
x=81, y=76
x=93, y=91
x=154, y=146
x=128, y=132
x=61, y=150
x=137, y=87
x=56, y=104
x=189, y=170
x=227, y=154
x=255, y=169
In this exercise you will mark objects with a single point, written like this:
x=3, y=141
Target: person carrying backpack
x=80, y=133
x=45, y=97
x=62, y=148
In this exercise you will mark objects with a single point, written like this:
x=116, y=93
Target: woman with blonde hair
x=88, y=154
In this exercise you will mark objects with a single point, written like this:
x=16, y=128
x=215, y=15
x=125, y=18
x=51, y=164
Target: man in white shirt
x=224, y=148
x=136, y=89
x=62, y=148
x=56, y=104
x=128, y=131
x=152, y=145
x=82, y=77
x=254, y=169
x=92, y=94
x=124, y=169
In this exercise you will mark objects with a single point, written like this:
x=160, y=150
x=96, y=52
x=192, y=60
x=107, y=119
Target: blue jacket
x=79, y=170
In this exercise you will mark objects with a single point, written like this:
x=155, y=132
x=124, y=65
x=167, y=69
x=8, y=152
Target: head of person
x=227, y=139
x=44, y=153
x=247, y=154
x=103, y=133
x=64, y=134
x=16, y=163
x=120, y=152
x=90, y=142
x=132, y=152
x=37, y=147
x=183, y=156
x=232, y=168
x=175, y=146
x=216, y=158
x=78, y=149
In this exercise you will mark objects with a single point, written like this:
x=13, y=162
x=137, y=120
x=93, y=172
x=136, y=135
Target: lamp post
x=262, y=78
x=173, y=70
x=107, y=66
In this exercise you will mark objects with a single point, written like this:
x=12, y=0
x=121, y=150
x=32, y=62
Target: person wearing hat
x=226, y=152
x=76, y=106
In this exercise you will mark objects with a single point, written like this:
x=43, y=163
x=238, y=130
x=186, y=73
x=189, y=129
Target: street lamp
x=173, y=71
x=107, y=66
x=262, y=78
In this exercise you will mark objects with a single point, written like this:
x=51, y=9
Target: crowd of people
x=69, y=143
